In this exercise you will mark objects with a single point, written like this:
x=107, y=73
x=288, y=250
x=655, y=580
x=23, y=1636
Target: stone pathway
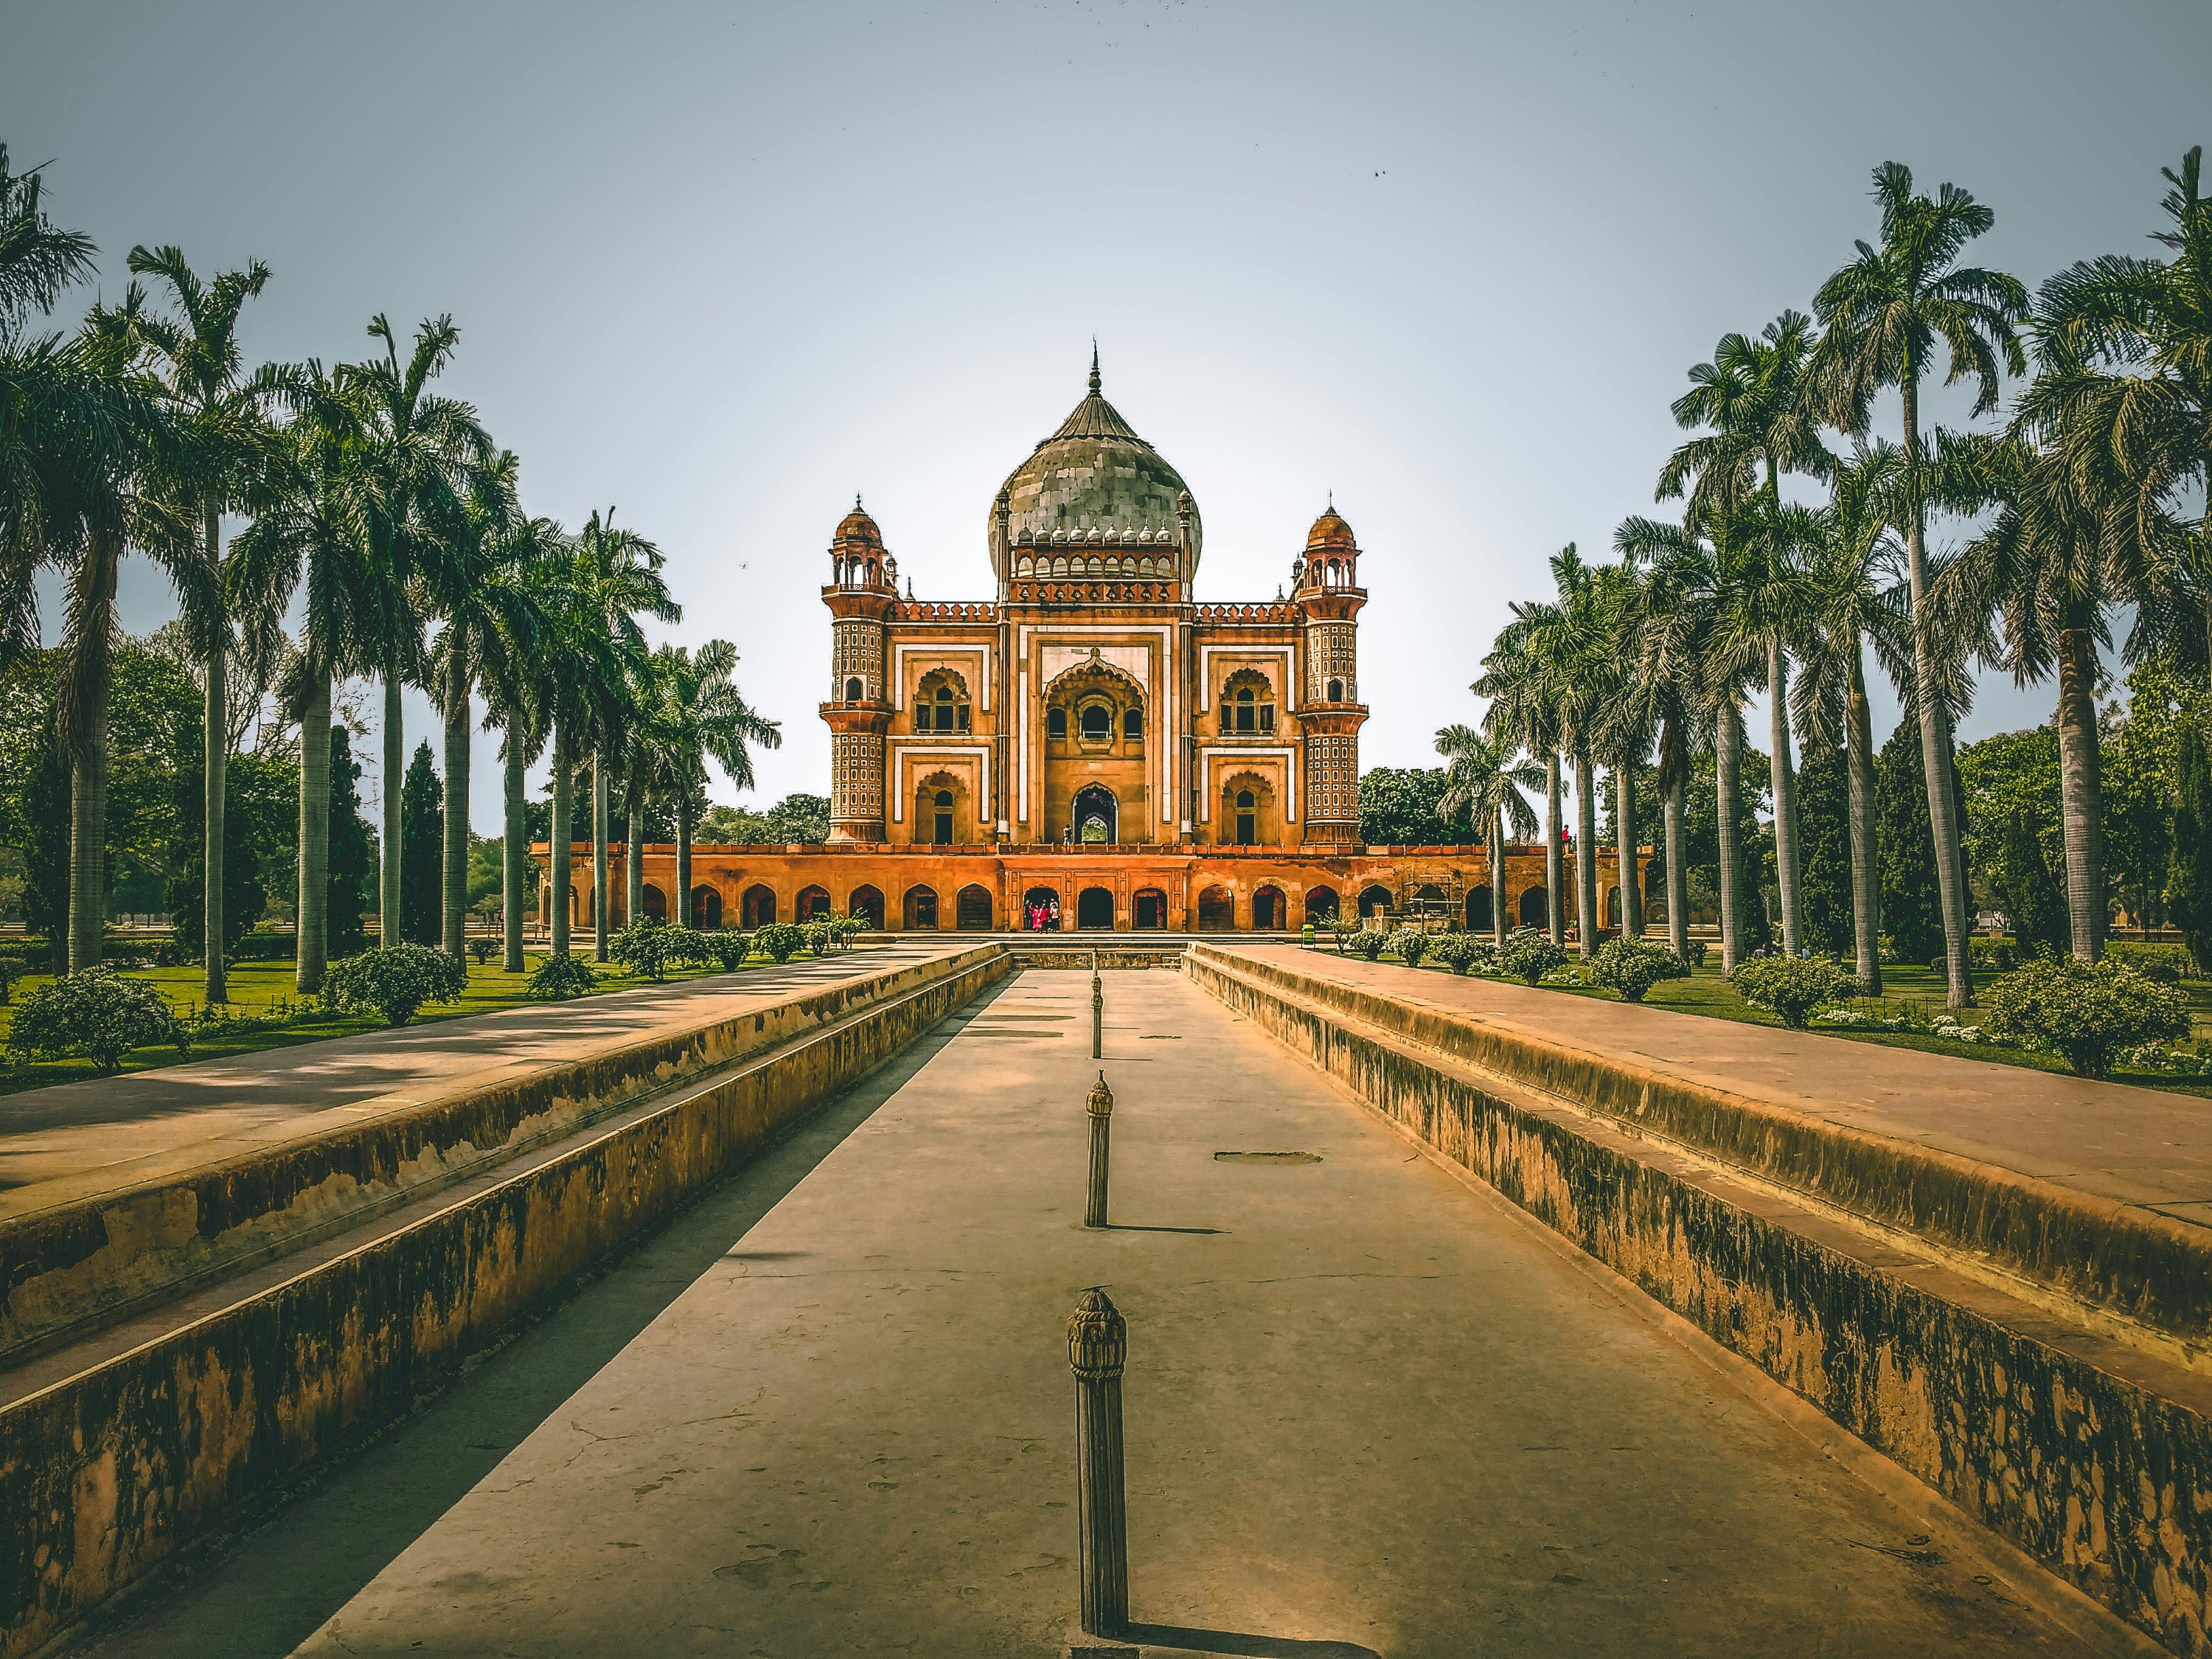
x=1369, y=1411
x=101, y=1128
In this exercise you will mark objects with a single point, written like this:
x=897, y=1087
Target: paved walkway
x=106, y=1130
x=1369, y=1411
x=2111, y=1140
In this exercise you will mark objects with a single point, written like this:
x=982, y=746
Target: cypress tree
x=2031, y=894
x=2189, y=869
x=421, y=851
x=1824, y=838
x=350, y=879
x=1912, y=907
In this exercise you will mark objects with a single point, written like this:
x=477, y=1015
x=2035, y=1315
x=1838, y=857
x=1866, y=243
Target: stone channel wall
x=2090, y=1454
x=104, y=1475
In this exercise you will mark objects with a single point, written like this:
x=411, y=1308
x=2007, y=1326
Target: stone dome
x=857, y=527
x=1095, y=474
x=1330, y=534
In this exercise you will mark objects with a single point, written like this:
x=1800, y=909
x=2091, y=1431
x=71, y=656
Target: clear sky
x=722, y=267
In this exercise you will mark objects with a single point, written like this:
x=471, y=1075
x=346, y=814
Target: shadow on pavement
x=1191, y=1640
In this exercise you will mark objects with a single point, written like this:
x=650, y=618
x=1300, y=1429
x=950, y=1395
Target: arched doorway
x=1041, y=910
x=1149, y=908
x=1613, y=907
x=707, y=906
x=971, y=909
x=918, y=910
x=1248, y=819
x=1270, y=911
x=656, y=902
x=1094, y=908
x=1096, y=815
x=759, y=907
x=811, y=902
x=1217, y=911
x=1535, y=908
x=1374, y=899
x=1321, y=904
x=1477, y=910
x=868, y=903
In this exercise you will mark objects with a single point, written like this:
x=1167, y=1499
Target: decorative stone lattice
x=856, y=777
x=857, y=649
x=1331, y=655
x=1332, y=779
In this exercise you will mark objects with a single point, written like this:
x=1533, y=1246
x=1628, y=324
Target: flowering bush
x=1630, y=967
x=644, y=948
x=1460, y=951
x=2087, y=1012
x=95, y=1012
x=730, y=948
x=779, y=940
x=1369, y=942
x=396, y=982
x=1409, y=946
x=1530, y=955
x=558, y=978
x=1790, y=987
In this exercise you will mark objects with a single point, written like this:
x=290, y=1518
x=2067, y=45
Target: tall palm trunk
x=214, y=986
x=2081, y=786
x=457, y=799
x=1728, y=777
x=683, y=865
x=514, y=848
x=395, y=764
x=1678, y=879
x=1624, y=835
x=1866, y=882
x=1585, y=858
x=1784, y=777
x=1498, y=878
x=313, y=905
x=560, y=855
x=633, y=871
x=1554, y=855
x=1934, y=731
x=91, y=681
x=600, y=906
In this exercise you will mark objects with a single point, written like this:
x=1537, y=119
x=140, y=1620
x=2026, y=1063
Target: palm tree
x=1522, y=709
x=704, y=718
x=195, y=359
x=308, y=536
x=1484, y=776
x=1669, y=623
x=1885, y=313
x=1852, y=598
x=515, y=655
x=416, y=452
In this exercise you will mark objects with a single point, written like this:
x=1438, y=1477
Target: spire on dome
x=1094, y=362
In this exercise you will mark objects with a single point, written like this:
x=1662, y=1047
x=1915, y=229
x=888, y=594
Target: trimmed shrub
x=1368, y=942
x=1791, y=987
x=1696, y=954
x=395, y=983
x=1529, y=955
x=481, y=949
x=11, y=969
x=1629, y=967
x=96, y=1013
x=2086, y=1013
x=644, y=948
x=1460, y=951
x=730, y=948
x=2164, y=965
x=779, y=940
x=1409, y=946
x=558, y=978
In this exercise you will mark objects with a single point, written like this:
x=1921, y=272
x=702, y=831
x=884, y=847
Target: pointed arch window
x=1248, y=819
x=943, y=806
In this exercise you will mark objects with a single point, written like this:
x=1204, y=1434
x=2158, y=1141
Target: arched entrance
x=812, y=901
x=1477, y=910
x=1149, y=908
x=1373, y=899
x=1217, y=911
x=1535, y=908
x=868, y=903
x=1613, y=907
x=1096, y=815
x=1041, y=910
x=918, y=909
x=1270, y=912
x=759, y=908
x=656, y=902
x=706, y=907
x=1094, y=908
x=971, y=909
x=1321, y=904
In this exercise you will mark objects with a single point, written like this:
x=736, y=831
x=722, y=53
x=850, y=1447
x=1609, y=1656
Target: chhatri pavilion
x=1093, y=746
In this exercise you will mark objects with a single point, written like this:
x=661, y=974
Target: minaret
x=862, y=589
x=1328, y=597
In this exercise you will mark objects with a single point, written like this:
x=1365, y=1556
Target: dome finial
x=856, y=501
x=1094, y=362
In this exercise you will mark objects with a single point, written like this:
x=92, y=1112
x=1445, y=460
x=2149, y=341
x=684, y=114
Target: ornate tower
x=1328, y=597
x=863, y=586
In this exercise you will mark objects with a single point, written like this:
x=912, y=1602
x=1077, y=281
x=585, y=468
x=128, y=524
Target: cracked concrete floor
x=1367, y=1411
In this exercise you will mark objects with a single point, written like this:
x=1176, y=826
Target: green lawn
x=261, y=988
x=1707, y=992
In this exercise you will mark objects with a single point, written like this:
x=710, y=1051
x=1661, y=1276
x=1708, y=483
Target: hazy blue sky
x=722, y=267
